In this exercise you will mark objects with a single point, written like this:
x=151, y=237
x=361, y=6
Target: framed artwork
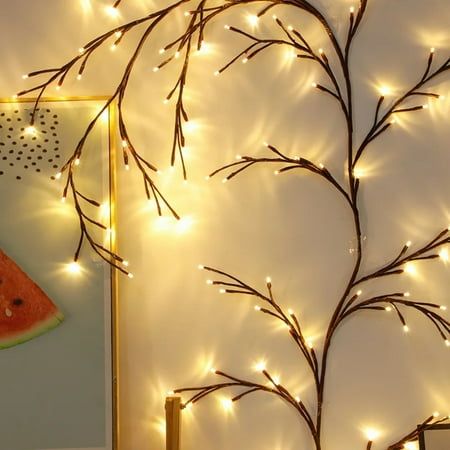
x=436, y=437
x=58, y=329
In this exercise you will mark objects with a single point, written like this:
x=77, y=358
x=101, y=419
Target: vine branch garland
x=339, y=87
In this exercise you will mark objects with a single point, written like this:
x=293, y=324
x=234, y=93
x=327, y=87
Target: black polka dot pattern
x=23, y=152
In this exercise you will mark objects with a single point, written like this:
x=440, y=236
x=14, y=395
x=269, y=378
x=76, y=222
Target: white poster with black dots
x=55, y=346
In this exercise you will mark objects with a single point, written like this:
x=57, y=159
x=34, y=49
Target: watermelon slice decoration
x=25, y=310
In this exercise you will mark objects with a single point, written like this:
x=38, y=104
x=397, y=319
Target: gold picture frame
x=111, y=442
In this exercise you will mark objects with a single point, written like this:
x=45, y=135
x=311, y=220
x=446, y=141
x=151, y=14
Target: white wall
x=292, y=227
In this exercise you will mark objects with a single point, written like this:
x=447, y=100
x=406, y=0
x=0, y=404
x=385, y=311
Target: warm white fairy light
x=406, y=294
x=309, y=343
x=77, y=161
x=359, y=293
x=81, y=50
x=130, y=275
x=244, y=60
x=58, y=176
x=200, y=267
x=209, y=282
x=408, y=244
x=388, y=308
x=213, y=370
x=372, y=434
x=118, y=34
x=227, y=27
x=268, y=280
x=227, y=403
x=276, y=172
x=79, y=77
x=432, y=50
x=125, y=263
x=260, y=366
x=359, y=173
x=291, y=312
x=384, y=90
x=411, y=446
x=222, y=291
x=321, y=51
x=257, y=308
x=253, y=20
x=443, y=254
x=436, y=414
x=24, y=77
x=352, y=9
x=447, y=343
x=410, y=268
x=406, y=328
x=155, y=69
x=443, y=308
x=177, y=54
x=74, y=267
x=426, y=106
x=170, y=393
x=58, y=87
x=30, y=130
x=297, y=398
x=111, y=11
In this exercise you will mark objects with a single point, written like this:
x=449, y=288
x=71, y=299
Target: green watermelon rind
x=40, y=328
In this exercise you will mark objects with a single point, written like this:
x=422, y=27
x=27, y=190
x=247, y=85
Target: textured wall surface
x=292, y=227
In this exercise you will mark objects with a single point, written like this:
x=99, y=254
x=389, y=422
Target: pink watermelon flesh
x=25, y=310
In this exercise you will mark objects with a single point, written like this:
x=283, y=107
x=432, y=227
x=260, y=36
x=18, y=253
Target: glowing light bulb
x=276, y=380
x=406, y=328
x=436, y=414
x=291, y=312
x=388, y=308
x=359, y=173
x=124, y=143
x=155, y=69
x=268, y=280
x=63, y=199
x=222, y=291
x=227, y=27
x=260, y=366
x=58, y=176
x=432, y=50
x=162, y=51
x=245, y=60
x=372, y=434
x=443, y=254
x=187, y=13
x=276, y=172
x=77, y=162
x=227, y=404
x=314, y=84
x=442, y=97
x=290, y=28
x=297, y=399
x=209, y=282
x=425, y=106
x=125, y=263
x=321, y=166
x=410, y=268
x=127, y=167
x=24, y=77
x=81, y=50
x=224, y=180
x=130, y=275
x=31, y=129
x=406, y=294
x=447, y=343
x=408, y=244
x=79, y=77
x=74, y=267
x=384, y=90
x=443, y=308
x=310, y=344
x=257, y=308
x=274, y=17
x=321, y=51
x=253, y=20
x=352, y=9
x=200, y=267
x=177, y=54
x=170, y=393
x=216, y=73
x=111, y=11
x=410, y=446
x=213, y=370
x=359, y=293
x=118, y=34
